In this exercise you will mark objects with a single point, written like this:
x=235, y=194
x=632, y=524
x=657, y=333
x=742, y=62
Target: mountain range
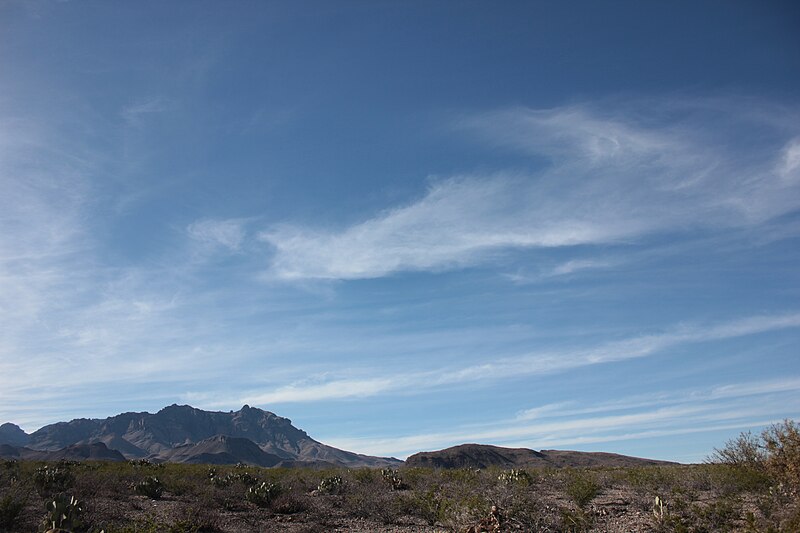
x=184, y=434
x=181, y=433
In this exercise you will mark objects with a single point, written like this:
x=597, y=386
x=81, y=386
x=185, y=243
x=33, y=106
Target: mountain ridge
x=78, y=452
x=485, y=455
x=185, y=434
x=138, y=435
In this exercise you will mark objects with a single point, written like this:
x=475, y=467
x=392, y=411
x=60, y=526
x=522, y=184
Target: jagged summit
x=141, y=435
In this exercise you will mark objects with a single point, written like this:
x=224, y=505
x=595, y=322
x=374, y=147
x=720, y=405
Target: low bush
x=331, y=485
x=582, y=489
x=263, y=494
x=151, y=487
x=50, y=480
x=63, y=513
x=774, y=454
x=11, y=506
x=515, y=475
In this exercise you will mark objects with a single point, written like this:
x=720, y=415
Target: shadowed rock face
x=483, y=456
x=139, y=435
x=12, y=434
x=79, y=452
x=219, y=449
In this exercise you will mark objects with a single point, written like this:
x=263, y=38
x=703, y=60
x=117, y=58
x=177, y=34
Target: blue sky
x=405, y=225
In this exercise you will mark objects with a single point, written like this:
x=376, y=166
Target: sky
x=405, y=225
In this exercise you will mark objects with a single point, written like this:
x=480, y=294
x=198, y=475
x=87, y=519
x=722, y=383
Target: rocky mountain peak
x=205, y=436
x=13, y=434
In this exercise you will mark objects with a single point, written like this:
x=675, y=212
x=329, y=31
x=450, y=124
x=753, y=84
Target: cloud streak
x=609, y=179
x=227, y=233
x=520, y=366
x=640, y=417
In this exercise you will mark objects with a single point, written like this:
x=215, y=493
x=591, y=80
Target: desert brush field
x=750, y=484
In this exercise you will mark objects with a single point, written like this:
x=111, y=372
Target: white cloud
x=609, y=180
x=134, y=114
x=345, y=388
x=579, y=264
x=514, y=367
x=228, y=233
x=789, y=167
x=648, y=416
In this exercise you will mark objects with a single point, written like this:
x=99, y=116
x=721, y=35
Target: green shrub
x=775, y=453
x=10, y=508
x=150, y=487
x=330, y=485
x=263, y=494
x=10, y=473
x=245, y=478
x=782, y=445
x=50, y=480
x=392, y=477
x=63, y=513
x=364, y=475
x=582, y=489
x=431, y=506
x=745, y=451
x=515, y=475
x=722, y=514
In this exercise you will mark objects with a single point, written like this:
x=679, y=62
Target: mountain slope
x=219, y=449
x=12, y=434
x=138, y=435
x=483, y=456
x=78, y=452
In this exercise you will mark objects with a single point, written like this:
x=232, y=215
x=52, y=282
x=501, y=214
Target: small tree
x=776, y=452
x=782, y=446
x=745, y=451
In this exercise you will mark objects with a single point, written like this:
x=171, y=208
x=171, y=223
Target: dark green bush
x=10, y=508
x=50, y=480
x=331, y=485
x=582, y=489
x=63, y=512
x=151, y=487
x=264, y=493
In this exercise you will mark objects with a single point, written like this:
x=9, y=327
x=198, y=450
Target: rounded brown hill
x=484, y=456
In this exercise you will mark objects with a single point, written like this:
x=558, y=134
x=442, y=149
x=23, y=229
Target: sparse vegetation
x=582, y=488
x=744, y=488
x=330, y=485
x=63, y=513
x=50, y=479
x=10, y=508
x=264, y=493
x=151, y=487
x=515, y=475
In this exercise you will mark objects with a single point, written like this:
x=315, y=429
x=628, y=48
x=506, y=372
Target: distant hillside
x=79, y=452
x=184, y=434
x=12, y=434
x=220, y=449
x=483, y=456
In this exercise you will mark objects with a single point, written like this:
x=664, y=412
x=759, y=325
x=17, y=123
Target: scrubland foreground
x=752, y=484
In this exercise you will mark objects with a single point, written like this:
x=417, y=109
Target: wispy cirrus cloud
x=656, y=414
x=609, y=178
x=531, y=364
x=135, y=114
x=65, y=309
x=228, y=233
